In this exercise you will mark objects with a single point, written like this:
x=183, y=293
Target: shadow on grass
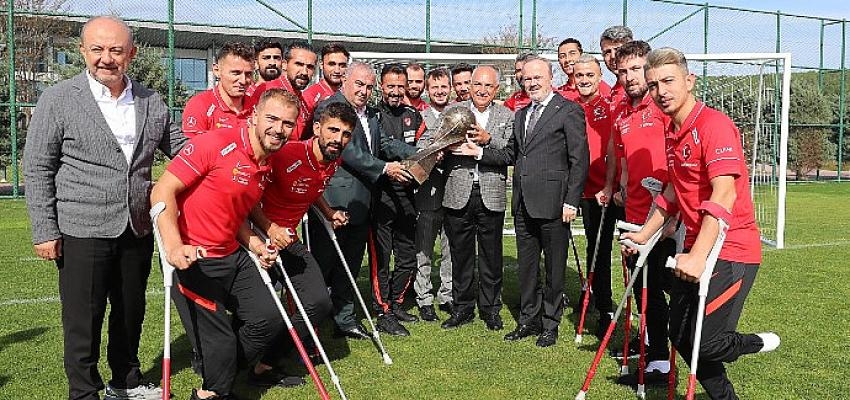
x=18, y=337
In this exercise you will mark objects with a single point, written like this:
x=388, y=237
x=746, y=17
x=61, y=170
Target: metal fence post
x=820, y=63
x=310, y=22
x=705, y=51
x=625, y=12
x=519, y=35
x=841, y=99
x=534, y=25
x=427, y=26
x=13, y=107
x=170, y=75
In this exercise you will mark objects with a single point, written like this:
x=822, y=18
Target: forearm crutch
x=167, y=282
x=704, y=281
x=586, y=301
x=376, y=337
x=267, y=281
x=643, y=253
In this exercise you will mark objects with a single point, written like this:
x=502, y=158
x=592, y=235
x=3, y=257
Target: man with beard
x=475, y=208
x=269, y=60
x=415, y=87
x=334, y=62
x=394, y=215
x=461, y=81
x=351, y=189
x=300, y=172
x=300, y=61
x=611, y=40
x=519, y=99
x=638, y=137
x=209, y=190
x=226, y=104
x=598, y=120
x=548, y=149
x=430, y=211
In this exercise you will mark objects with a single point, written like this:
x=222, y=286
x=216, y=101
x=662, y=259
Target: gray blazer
x=78, y=182
x=492, y=178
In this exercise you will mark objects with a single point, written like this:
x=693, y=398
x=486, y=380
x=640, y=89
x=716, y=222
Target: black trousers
x=393, y=234
x=591, y=213
x=92, y=270
x=230, y=314
x=551, y=236
x=352, y=240
x=475, y=225
x=721, y=343
x=658, y=280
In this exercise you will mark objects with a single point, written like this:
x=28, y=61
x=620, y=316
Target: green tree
x=808, y=146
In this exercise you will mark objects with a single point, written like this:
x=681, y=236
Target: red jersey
x=207, y=111
x=223, y=183
x=298, y=179
x=569, y=93
x=598, y=119
x=517, y=100
x=708, y=146
x=315, y=93
x=304, y=115
x=616, y=95
x=419, y=104
x=639, y=138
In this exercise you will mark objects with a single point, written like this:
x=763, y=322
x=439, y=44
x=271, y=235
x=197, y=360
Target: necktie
x=532, y=120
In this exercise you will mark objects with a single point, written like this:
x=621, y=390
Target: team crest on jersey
x=292, y=167
x=599, y=113
x=241, y=173
x=407, y=121
x=686, y=152
x=646, y=119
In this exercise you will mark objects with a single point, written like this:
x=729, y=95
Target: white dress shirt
x=120, y=113
x=364, y=121
x=481, y=118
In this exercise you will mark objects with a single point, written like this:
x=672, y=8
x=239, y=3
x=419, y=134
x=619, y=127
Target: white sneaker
x=770, y=341
x=141, y=392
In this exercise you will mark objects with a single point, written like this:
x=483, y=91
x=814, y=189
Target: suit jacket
x=352, y=185
x=78, y=181
x=550, y=162
x=492, y=178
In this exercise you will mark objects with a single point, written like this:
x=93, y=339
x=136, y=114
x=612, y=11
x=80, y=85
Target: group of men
x=254, y=156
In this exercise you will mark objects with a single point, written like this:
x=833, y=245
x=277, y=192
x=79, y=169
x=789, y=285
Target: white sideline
x=55, y=299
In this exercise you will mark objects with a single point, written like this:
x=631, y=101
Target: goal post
x=753, y=89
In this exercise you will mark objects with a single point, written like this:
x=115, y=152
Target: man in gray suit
x=475, y=207
x=549, y=152
x=430, y=211
x=87, y=164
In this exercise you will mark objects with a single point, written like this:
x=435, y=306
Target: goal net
x=752, y=89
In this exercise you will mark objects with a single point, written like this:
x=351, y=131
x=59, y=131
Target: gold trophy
x=454, y=123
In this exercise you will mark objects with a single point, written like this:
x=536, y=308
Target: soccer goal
x=751, y=88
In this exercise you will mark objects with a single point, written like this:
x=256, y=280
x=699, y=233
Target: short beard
x=327, y=155
x=267, y=75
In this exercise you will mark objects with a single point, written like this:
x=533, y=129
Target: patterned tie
x=535, y=115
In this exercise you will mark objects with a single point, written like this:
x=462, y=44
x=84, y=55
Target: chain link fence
x=179, y=38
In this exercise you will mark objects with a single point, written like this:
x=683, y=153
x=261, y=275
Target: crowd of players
x=261, y=153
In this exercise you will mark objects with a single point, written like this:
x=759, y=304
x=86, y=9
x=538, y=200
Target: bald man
x=87, y=163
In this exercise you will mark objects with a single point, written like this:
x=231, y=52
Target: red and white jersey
x=707, y=146
x=598, y=122
x=517, y=100
x=569, y=92
x=616, y=95
x=223, y=183
x=298, y=179
x=638, y=134
x=304, y=115
x=315, y=93
x=418, y=104
x=207, y=111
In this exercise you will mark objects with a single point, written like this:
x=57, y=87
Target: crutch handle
x=671, y=263
x=629, y=227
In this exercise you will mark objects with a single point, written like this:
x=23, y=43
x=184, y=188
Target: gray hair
x=496, y=70
x=108, y=18
x=617, y=34
x=356, y=65
x=524, y=57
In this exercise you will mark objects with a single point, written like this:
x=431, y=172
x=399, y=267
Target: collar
x=593, y=102
x=224, y=107
x=545, y=101
x=284, y=81
x=644, y=103
x=249, y=150
x=101, y=92
x=474, y=109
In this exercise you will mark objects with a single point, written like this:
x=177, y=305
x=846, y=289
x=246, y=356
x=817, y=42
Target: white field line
x=811, y=245
x=55, y=299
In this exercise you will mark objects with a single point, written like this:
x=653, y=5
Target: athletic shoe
x=448, y=308
x=404, y=316
x=770, y=341
x=271, y=378
x=650, y=378
x=388, y=323
x=428, y=314
x=634, y=350
x=141, y=392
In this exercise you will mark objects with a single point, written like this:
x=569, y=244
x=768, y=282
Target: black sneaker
x=388, y=323
x=448, y=308
x=650, y=378
x=404, y=316
x=428, y=314
x=271, y=378
x=634, y=350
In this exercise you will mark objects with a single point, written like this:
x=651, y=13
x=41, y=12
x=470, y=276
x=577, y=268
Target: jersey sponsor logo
x=191, y=122
x=646, y=119
x=301, y=185
x=227, y=149
x=292, y=167
x=223, y=123
x=723, y=150
x=241, y=173
x=210, y=110
x=189, y=149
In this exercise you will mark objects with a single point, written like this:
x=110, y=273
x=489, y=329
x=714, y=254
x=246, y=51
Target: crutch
x=267, y=281
x=167, y=281
x=704, y=280
x=293, y=295
x=586, y=300
x=643, y=251
x=376, y=337
x=305, y=227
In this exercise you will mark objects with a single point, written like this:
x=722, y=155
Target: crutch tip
x=581, y=395
x=578, y=339
x=624, y=370
x=388, y=360
x=641, y=391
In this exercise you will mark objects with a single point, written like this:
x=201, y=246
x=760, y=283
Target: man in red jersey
x=638, y=137
x=462, y=81
x=209, y=189
x=334, y=63
x=588, y=76
x=568, y=52
x=269, y=60
x=709, y=183
x=519, y=99
x=300, y=61
x=300, y=172
x=415, y=87
x=610, y=40
x=225, y=105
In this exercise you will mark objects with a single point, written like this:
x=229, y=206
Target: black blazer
x=550, y=163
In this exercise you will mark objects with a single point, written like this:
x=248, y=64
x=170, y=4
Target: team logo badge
x=407, y=121
x=686, y=152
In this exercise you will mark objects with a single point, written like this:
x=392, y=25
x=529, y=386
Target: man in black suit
x=350, y=189
x=550, y=156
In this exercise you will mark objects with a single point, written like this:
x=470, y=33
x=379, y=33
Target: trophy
x=451, y=130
